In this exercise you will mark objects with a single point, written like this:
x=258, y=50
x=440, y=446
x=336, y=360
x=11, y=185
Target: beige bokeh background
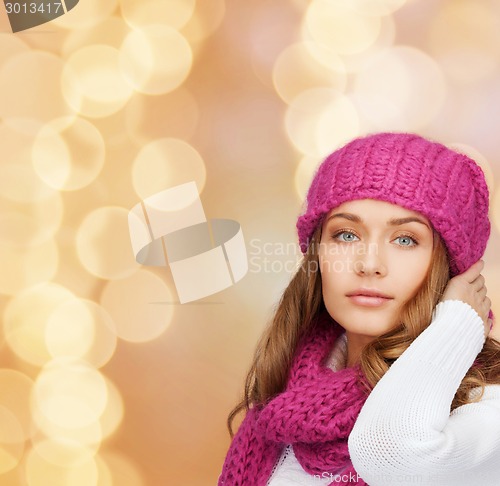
x=104, y=378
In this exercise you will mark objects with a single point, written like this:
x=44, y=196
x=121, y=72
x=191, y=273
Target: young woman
x=379, y=366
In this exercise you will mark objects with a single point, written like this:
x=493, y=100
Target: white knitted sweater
x=405, y=434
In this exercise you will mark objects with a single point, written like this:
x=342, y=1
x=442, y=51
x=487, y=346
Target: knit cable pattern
x=406, y=169
x=315, y=414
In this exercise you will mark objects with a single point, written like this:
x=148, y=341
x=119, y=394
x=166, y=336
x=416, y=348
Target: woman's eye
x=348, y=236
x=348, y=233
x=409, y=241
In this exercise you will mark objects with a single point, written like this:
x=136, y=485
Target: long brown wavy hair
x=302, y=300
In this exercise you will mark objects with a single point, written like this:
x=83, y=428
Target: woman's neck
x=355, y=343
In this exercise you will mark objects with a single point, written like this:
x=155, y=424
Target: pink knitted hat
x=420, y=175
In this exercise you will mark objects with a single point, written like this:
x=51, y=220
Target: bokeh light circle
x=319, y=120
x=155, y=59
x=105, y=339
x=205, y=20
x=111, y=32
x=11, y=440
x=70, y=330
x=29, y=224
x=401, y=89
x=297, y=70
x=10, y=46
x=17, y=400
x=19, y=99
x=86, y=14
x=123, y=471
x=164, y=163
x=92, y=82
x=63, y=452
x=103, y=472
x=15, y=229
x=140, y=305
x=25, y=320
x=68, y=154
x=70, y=393
x=376, y=7
x=341, y=29
x=18, y=169
x=304, y=174
x=89, y=436
x=23, y=267
x=91, y=335
x=172, y=13
x=112, y=415
x=40, y=472
x=18, y=180
x=103, y=243
x=355, y=63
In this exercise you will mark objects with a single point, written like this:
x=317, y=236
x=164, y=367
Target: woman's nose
x=370, y=261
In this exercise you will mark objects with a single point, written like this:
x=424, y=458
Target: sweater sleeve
x=405, y=434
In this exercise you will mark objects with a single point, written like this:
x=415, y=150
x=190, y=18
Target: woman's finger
x=478, y=283
x=482, y=292
x=473, y=271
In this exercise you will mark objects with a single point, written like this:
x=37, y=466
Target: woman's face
x=364, y=247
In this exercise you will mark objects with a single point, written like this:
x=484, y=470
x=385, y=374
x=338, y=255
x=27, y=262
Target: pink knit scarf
x=315, y=414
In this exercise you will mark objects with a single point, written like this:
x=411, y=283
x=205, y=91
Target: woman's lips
x=368, y=301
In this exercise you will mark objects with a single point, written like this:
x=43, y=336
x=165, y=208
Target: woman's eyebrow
x=392, y=222
x=410, y=219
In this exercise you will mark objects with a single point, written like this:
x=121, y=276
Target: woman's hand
x=469, y=287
